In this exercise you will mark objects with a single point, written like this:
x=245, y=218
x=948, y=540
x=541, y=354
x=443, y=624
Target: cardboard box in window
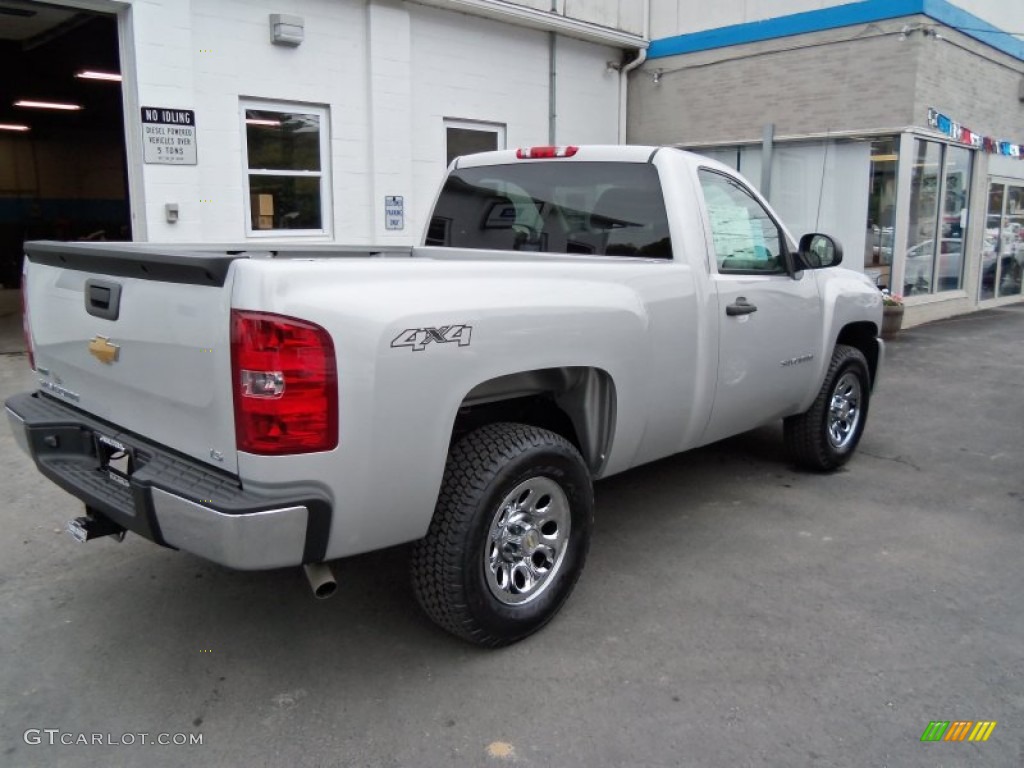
x=263, y=207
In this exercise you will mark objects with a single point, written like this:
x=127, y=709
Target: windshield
x=604, y=209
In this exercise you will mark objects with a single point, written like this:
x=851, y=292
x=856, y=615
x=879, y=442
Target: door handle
x=740, y=307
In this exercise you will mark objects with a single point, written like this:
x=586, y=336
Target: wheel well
x=863, y=336
x=577, y=403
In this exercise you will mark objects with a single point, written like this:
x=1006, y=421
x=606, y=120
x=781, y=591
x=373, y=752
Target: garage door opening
x=63, y=173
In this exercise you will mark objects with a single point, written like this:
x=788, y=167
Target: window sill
x=289, y=234
x=934, y=298
x=1000, y=301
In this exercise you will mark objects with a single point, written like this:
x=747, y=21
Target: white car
x=918, y=266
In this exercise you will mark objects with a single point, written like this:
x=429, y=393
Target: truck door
x=770, y=323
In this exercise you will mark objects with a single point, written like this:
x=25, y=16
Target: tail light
x=285, y=385
x=545, y=153
x=24, y=323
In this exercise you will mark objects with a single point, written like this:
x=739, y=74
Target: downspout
x=641, y=57
x=552, y=92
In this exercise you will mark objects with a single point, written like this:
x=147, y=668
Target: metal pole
x=767, y=146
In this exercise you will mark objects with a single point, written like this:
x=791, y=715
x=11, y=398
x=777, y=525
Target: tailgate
x=139, y=337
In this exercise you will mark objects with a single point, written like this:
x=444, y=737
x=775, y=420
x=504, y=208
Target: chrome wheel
x=527, y=540
x=844, y=411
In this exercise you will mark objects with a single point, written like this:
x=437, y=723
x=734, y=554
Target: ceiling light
x=47, y=105
x=258, y=121
x=89, y=74
x=13, y=127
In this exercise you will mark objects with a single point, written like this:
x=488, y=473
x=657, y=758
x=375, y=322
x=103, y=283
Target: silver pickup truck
x=574, y=312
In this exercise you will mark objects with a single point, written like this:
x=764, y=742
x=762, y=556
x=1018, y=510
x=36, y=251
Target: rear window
x=604, y=209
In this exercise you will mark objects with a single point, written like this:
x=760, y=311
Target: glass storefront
x=924, y=210
x=901, y=203
x=881, y=209
x=1002, y=256
x=939, y=202
x=956, y=203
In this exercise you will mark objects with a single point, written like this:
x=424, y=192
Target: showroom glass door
x=940, y=193
x=1002, y=261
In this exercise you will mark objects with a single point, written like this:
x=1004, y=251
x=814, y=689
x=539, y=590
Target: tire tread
x=437, y=560
x=804, y=435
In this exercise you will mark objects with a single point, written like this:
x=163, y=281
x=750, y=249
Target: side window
x=286, y=161
x=463, y=137
x=745, y=237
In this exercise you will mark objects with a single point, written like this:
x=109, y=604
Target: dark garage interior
x=62, y=170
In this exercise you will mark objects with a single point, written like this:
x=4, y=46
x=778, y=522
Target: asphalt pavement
x=734, y=612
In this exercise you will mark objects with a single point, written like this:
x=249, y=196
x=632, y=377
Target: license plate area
x=116, y=459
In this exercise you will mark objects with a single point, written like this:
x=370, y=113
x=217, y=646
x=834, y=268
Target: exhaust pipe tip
x=321, y=580
x=324, y=591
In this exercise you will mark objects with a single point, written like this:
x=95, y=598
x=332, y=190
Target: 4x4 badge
x=101, y=348
x=418, y=338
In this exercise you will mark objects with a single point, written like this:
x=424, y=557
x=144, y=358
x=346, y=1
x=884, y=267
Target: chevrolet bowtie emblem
x=101, y=348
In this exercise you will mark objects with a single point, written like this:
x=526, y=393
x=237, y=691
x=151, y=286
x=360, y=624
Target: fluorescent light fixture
x=13, y=127
x=259, y=121
x=884, y=158
x=47, y=105
x=89, y=74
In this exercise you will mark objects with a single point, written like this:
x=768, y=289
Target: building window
x=926, y=174
x=464, y=137
x=939, y=201
x=1002, y=253
x=286, y=157
x=881, y=209
x=956, y=202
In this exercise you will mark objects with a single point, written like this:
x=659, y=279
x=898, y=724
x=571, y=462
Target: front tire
x=509, y=536
x=825, y=436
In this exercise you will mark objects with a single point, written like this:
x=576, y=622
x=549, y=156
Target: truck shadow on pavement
x=207, y=636
x=374, y=607
x=374, y=610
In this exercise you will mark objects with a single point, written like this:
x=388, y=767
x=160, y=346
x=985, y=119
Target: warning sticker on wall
x=168, y=136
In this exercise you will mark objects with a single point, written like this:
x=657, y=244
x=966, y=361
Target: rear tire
x=509, y=536
x=825, y=436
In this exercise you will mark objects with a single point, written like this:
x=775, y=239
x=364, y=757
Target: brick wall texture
x=850, y=79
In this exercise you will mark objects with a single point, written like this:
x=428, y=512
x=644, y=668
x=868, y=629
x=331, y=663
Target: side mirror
x=818, y=251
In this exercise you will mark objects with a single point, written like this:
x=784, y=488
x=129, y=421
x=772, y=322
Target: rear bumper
x=170, y=499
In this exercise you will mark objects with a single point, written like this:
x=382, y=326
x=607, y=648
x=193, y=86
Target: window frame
x=998, y=298
x=785, y=253
x=324, y=174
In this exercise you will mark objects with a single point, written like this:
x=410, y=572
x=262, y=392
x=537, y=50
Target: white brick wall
x=679, y=17
x=585, y=89
x=388, y=71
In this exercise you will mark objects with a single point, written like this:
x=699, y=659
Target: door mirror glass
x=818, y=251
